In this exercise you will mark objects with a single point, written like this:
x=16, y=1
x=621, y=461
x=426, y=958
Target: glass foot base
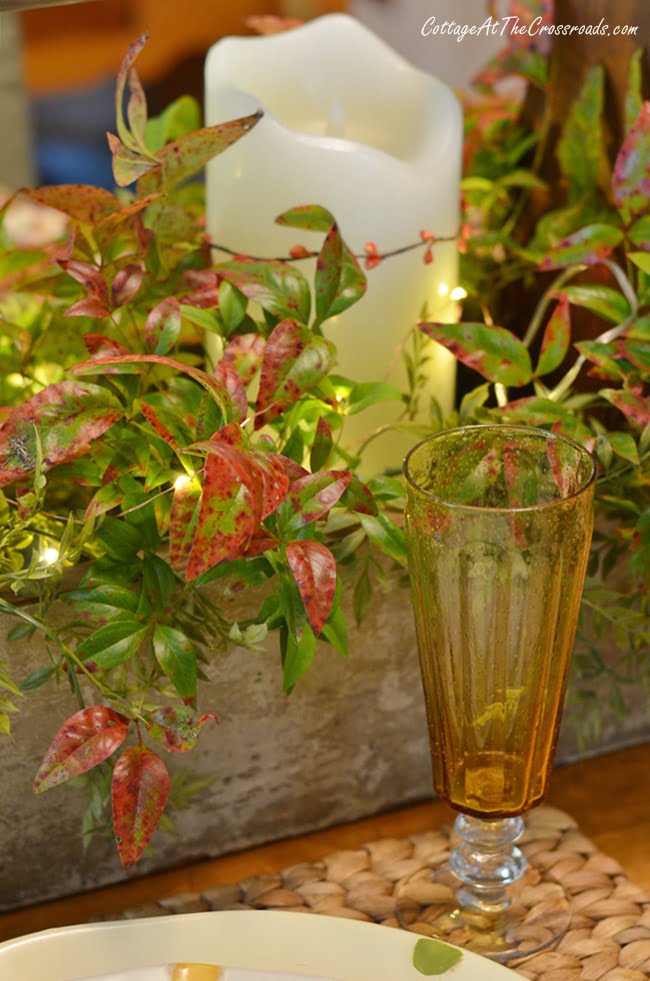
x=537, y=917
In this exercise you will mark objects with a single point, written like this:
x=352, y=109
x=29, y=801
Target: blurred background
x=58, y=66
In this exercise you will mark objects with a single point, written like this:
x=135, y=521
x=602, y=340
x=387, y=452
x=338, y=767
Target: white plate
x=345, y=950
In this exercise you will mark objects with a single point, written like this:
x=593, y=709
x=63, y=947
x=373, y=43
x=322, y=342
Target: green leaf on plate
x=434, y=956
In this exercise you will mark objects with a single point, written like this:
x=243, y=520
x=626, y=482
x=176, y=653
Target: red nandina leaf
x=88, y=737
x=322, y=445
x=82, y=202
x=181, y=159
x=126, y=284
x=314, y=568
x=313, y=496
x=494, y=352
x=183, y=521
x=139, y=791
x=210, y=384
x=174, y=728
x=635, y=407
x=358, y=497
x=137, y=104
x=125, y=214
x=631, y=179
x=274, y=479
x=293, y=470
x=295, y=360
x=588, y=246
x=231, y=508
x=153, y=419
x=235, y=388
x=69, y=415
x=556, y=340
x=88, y=308
x=329, y=266
x=162, y=326
x=89, y=276
x=259, y=544
x=99, y=346
x=244, y=354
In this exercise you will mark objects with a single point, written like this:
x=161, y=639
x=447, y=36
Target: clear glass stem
x=487, y=861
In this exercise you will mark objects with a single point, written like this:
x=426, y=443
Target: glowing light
x=183, y=480
x=443, y=289
x=458, y=293
x=16, y=380
x=50, y=556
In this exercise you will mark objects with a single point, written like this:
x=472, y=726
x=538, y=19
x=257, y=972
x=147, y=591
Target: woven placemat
x=609, y=937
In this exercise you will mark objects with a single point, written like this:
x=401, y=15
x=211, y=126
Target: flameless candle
x=347, y=124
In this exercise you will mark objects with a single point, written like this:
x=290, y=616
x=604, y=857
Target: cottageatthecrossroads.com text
x=513, y=26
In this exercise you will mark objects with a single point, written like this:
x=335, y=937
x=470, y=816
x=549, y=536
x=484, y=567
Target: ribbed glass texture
x=499, y=524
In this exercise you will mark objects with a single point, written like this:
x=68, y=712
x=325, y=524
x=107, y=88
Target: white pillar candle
x=348, y=124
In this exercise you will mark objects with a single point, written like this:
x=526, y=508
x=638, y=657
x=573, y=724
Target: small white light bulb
x=50, y=556
x=458, y=293
x=183, y=480
x=443, y=289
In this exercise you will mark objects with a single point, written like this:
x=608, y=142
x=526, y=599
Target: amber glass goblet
x=499, y=524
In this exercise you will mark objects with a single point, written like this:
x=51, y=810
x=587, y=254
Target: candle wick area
x=335, y=125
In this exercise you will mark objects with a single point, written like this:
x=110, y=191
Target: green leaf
x=535, y=412
x=299, y=655
x=328, y=273
x=182, y=116
x=119, y=539
x=232, y=305
x=580, y=149
x=177, y=656
x=639, y=234
x=364, y=394
x=113, y=644
x=432, y=956
x=556, y=339
x=386, y=536
x=336, y=631
x=640, y=259
x=493, y=352
x=634, y=95
x=473, y=401
x=624, y=446
x=603, y=300
x=37, y=678
x=110, y=602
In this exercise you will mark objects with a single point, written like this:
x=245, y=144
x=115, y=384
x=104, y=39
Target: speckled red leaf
x=183, y=521
x=210, y=384
x=588, y=246
x=126, y=284
x=631, y=178
x=328, y=272
x=313, y=496
x=139, y=792
x=83, y=202
x=162, y=326
x=635, y=406
x=235, y=388
x=69, y=416
x=279, y=287
x=189, y=154
x=314, y=569
x=90, y=307
x=231, y=507
x=88, y=737
x=244, y=354
x=556, y=340
x=494, y=352
x=259, y=544
x=89, y=276
x=125, y=214
x=174, y=727
x=294, y=361
x=358, y=497
x=154, y=420
x=293, y=470
x=100, y=346
x=127, y=165
x=274, y=480
x=311, y=216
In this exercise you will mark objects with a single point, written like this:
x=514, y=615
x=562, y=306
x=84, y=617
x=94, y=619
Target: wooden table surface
x=608, y=796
